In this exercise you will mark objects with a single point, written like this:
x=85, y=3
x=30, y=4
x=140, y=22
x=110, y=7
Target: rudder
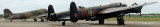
x=7, y=13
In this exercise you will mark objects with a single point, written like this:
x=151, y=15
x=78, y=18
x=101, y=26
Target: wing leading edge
x=110, y=10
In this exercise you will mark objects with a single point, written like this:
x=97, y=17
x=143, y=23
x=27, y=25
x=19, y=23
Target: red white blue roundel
x=90, y=13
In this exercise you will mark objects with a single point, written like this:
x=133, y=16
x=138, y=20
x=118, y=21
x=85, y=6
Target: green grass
x=136, y=19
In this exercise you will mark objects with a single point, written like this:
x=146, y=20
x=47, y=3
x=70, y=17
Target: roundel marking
x=90, y=13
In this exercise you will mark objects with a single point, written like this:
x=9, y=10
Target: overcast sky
x=19, y=6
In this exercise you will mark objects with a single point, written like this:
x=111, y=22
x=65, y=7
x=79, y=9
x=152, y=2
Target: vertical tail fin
x=7, y=13
x=73, y=12
x=51, y=14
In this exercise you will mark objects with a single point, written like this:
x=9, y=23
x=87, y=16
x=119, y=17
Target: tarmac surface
x=80, y=23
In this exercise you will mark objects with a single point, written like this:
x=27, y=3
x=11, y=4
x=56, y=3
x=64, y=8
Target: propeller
x=129, y=14
x=140, y=14
x=140, y=11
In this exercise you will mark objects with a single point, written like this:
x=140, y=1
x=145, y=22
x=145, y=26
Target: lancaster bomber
x=81, y=13
x=95, y=13
x=40, y=13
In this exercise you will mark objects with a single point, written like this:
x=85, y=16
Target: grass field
x=136, y=19
x=126, y=18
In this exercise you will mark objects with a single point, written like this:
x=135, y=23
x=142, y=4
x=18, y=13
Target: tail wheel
x=35, y=19
x=11, y=20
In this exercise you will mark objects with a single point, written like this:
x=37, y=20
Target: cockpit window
x=115, y=4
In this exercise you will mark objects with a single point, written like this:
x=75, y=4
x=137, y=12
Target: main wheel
x=11, y=20
x=42, y=20
x=120, y=21
x=35, y=19
x=101, y=21
x=63, y=23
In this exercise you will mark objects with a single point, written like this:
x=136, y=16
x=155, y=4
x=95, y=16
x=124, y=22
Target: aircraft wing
x=109, y=10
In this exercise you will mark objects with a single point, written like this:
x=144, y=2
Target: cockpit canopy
x=118, y=4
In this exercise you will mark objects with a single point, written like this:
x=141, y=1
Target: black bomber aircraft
x=95, y=13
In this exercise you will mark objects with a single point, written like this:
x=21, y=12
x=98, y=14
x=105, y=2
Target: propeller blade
x=140, y=14
x=129, y=15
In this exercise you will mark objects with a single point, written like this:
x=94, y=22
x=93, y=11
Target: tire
x=101, y=21
x=120, y=21
x=63, y=23
x=11, y=20
x=35, y=20
x=42, y=20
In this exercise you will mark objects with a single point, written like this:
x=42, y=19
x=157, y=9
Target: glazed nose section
x=134, y=10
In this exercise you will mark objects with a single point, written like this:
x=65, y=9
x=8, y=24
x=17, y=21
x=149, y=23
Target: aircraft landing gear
x=42, y=20
x=46, y=19
x=120, y=21
x=35, y=19
x=63, y=23
x=11, y=20
x=101, y=21
x=24, y=20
